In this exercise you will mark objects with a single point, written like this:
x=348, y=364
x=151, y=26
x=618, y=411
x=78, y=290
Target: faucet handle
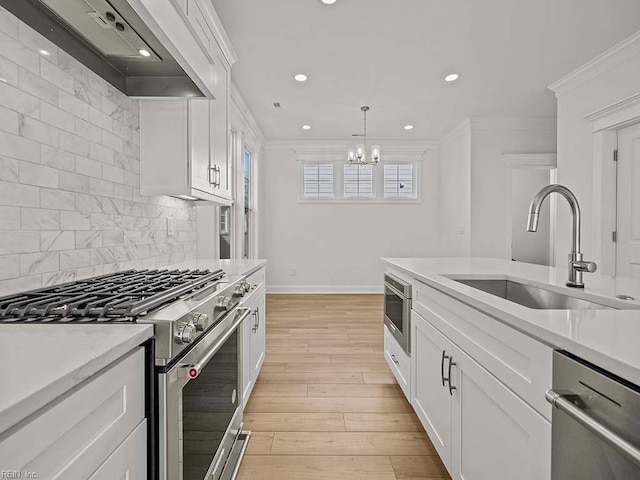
x=583, y=266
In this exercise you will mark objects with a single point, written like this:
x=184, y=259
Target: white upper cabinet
x=192, y=32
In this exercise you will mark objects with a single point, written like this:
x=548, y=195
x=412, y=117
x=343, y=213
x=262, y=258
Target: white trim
x=513, y=123
x=335, y=289
x=245, y=116
x=530, y=160
x=221, y=35
x=617, y=54
x=340, y=146
x=459, y=130
x=617, y=115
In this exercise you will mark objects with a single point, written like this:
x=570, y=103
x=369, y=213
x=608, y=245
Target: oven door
x=397, y=315
x=199, y=407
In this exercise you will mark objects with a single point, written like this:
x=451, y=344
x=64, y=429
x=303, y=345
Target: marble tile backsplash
x=70, y=205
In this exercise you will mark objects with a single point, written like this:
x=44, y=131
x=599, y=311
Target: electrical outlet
x=293, y=272
x=461, y=229
x=171, y=227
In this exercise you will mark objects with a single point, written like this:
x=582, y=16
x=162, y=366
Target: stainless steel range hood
x=109, y=38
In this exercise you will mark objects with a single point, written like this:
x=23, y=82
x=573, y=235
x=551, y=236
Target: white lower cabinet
x=253, y=341
x=129, y=461
x=73, y=437
x=481, y=429
x=399, y=362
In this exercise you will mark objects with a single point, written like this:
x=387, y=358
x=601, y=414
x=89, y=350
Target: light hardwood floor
x=326, y=406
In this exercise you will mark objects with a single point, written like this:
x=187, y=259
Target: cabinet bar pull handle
x=451, y=387
x=562, y=403
x=444, y=356
x=393, y=357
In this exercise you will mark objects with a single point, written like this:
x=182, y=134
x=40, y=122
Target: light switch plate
x=171, y=227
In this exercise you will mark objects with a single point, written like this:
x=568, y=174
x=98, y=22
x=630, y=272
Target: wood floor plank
x=381, y=422
x=328, y=405
x=353, y=390
x=271, y=349
x=312, y=467
x=285, y=358
x=260, y=443
x=357, y=358
x=383, y=378
x=309, y=377
x=337, y=367
x=279, y=390
x=418, y=468
x=351, y=443
x=294, y=422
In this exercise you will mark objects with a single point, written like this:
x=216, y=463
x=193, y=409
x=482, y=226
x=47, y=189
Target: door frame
x=537, y=161
x=605, y=124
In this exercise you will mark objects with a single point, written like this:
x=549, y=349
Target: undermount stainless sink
x=536, y=297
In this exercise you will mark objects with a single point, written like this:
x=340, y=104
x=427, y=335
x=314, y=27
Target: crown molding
x=617, y=54
x=513, y=123
x=340, y=146
x=456, y=132
x=530, y=160
x=221, y=35
x=241, y=109
x=616, y=115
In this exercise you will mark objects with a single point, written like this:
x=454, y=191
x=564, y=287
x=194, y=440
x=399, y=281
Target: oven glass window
x=393, y=305
x=208, y=405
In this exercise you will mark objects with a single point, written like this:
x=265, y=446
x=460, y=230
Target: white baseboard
x=338, y=289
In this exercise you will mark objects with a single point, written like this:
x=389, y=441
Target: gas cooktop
x=119, y=297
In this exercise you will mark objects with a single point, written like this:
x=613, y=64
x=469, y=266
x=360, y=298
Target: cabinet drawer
x=520, y=362
x=399, y=362
x=256, y=279
x=71, y=438
x=129, y=461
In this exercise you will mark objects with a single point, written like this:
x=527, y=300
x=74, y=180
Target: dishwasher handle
x=562, y=403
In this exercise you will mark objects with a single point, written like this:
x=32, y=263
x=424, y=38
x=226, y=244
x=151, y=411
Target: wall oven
x=200, y=408
x=397, y=309
x=596, y=423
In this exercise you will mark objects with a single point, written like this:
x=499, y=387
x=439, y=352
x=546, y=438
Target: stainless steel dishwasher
x=596, y=423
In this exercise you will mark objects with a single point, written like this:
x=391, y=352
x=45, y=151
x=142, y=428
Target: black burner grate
x=117, y=297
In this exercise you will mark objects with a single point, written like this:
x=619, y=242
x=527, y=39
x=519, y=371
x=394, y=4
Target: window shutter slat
x=398, y=181
x=318, y=180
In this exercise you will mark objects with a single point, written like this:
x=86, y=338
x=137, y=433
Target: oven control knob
x=239, y=291
x=247, y=286
x=199, y=320
x=186, y=333
x=223, y=304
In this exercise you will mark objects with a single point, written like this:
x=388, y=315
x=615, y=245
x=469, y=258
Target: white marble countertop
x=38, y=363
x=607, y=338
x=230, y=267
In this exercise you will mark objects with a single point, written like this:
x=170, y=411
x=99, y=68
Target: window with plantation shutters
x=318, y=180
x=358, y=181
x=398, y=181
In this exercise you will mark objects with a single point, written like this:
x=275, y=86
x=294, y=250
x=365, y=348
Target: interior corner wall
x=576, y=145
x=337, y=247
x=454, y=213
x=489, y=209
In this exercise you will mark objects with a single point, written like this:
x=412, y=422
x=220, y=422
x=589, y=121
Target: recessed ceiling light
x=144, y=53
x=329, y=2
x=408, y=127
x=306, y=127
x=452, y=77
x=300, y=77
x=44, y=52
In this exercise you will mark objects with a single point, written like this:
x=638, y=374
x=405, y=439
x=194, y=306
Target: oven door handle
x=194, y=369
x=561, y=402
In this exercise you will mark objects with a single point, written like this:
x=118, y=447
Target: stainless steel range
x=196, y=386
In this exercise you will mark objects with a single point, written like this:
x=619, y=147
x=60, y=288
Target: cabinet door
x=495, y=433
x=129, y=461
x=219, y=115
x=431, y=400
x=247, y=334
x=199, y=153
x=258, y=338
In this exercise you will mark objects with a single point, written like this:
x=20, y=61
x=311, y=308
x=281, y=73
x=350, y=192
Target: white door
x=628, y=221
x=495, y=433
x=431, y=400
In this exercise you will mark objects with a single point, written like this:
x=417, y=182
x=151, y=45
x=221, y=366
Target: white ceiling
x=393, y=55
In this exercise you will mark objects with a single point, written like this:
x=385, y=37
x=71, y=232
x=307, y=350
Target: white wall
x=69, y=173
x=606, y=80
x=473, y=197
x=337, y=247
